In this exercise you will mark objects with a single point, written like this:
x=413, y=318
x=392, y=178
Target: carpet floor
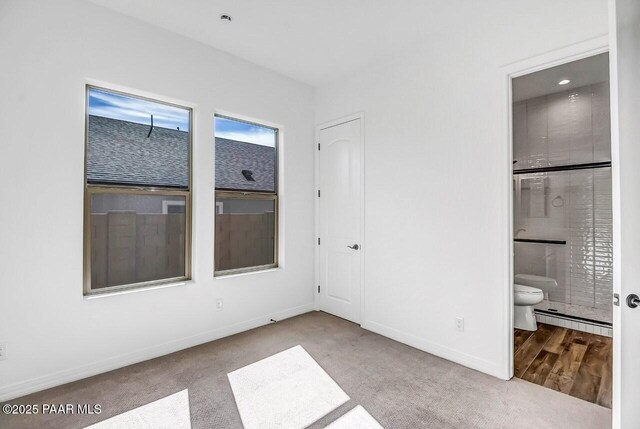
x=401, y=387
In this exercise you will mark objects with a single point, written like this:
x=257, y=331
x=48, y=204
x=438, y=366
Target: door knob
x=633, y=301
x=356, y=247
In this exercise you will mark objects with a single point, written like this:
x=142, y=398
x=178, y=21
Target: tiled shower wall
x=569, y=127
x=566, y=128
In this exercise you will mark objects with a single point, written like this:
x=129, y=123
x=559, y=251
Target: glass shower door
x=563, y=228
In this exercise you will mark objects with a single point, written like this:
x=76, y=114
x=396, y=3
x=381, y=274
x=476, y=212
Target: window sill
x=247, y=273
x=136, y=290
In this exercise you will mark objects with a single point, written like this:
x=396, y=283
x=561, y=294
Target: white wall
x=625, y=94
x=436, y=176
x=52, y=334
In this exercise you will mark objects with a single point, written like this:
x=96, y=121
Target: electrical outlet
x=3, y=351
x=460, y=324
x=219, y=304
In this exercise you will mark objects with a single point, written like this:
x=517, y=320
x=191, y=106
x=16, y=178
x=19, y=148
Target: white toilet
x=529, y=290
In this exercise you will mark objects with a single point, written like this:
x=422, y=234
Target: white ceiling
x=318, y=41
x=583, y=72
x=311, y=41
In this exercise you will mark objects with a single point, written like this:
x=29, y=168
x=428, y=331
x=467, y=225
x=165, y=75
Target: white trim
x=140, y=93
x=37, y=384
x=616, y=388
x=248, y=273
x=470, y=361
x=134, y=290
x=363, y=245
x=340, y=121
x=251, y=119
x=529, y=65
x=588, y=48
x=577, y=325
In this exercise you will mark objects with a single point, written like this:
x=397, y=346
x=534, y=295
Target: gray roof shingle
x=232, y=157
x=120, y=152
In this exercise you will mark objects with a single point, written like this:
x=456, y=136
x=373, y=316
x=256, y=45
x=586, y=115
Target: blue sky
x=245, y=132
x=116, y=106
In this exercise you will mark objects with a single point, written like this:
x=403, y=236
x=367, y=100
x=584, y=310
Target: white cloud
x=137, y=110
x=263, y=138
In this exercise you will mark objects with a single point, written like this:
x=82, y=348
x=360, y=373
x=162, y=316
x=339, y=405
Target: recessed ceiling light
x=564, y=82
x=225, y=18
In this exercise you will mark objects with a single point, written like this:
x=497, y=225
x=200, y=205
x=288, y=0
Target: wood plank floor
x=573, y=362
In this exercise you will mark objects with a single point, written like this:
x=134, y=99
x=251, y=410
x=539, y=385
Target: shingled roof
x=234, y=157
x=119, y=152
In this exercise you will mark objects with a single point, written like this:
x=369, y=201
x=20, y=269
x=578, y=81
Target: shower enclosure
x=562, y=186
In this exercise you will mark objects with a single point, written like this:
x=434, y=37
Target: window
x=137, y=192
x=246, y=193
x=172, y=206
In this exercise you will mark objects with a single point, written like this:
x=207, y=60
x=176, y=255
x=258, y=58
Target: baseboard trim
x=439, y=350
x=572, y=323
x=37, y=384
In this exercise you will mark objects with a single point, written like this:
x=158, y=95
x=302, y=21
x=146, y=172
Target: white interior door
x=625, y=97
x=340, y=209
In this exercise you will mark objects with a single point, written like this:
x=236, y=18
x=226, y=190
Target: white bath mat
x=286, y=390
x=357, y=418
x=171, y=412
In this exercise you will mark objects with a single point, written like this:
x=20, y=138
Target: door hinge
x=616, y=300
x=318, y=146
x=318, y=193
x=318, y=288
x=318, y=241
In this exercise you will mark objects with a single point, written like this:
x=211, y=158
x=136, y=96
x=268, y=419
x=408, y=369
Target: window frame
x=225, y=193
x=91, y=189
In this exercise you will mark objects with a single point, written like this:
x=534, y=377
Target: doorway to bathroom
x=563, y=229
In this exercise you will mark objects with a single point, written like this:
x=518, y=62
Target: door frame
x=363, y=248
x=526, y=66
